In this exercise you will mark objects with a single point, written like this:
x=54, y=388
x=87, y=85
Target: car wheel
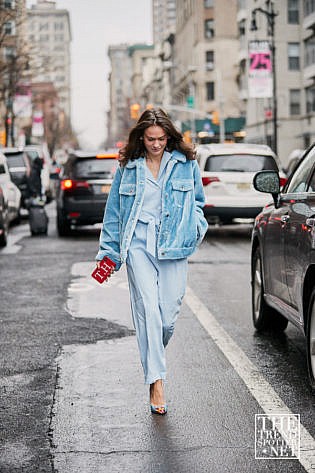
x=17, y=219
x=63, y=226
x=264, y=316
x=4, y=235
x=311, y=340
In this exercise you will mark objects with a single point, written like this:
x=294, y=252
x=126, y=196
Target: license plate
x=102, y=189
x=105, y=188
x=243, y=185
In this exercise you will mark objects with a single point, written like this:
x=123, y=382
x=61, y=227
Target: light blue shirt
x=152, y=202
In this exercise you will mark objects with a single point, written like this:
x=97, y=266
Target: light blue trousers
x=156, y=289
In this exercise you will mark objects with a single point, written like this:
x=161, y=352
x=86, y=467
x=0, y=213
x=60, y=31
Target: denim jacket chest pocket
x=182, y=190
x=127, y=193
x=127, y=189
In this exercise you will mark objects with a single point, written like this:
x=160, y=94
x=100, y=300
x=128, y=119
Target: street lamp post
x=270, y=15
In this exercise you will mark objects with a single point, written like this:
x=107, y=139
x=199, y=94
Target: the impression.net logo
x=277, y=436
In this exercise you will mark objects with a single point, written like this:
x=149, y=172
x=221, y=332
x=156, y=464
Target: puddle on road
x=89, y=299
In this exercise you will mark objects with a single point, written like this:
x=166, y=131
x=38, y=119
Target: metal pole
x=270, y=14
x=274, y=79
x=221, y=104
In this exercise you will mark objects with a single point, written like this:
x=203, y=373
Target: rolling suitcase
x=38, y=219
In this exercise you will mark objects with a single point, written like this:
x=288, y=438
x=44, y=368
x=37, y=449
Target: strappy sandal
x=159, y=410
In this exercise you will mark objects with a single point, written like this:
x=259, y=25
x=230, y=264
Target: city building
x=49, y=35
x=139, y=54
x=164, y=19
x=13, y=71
x=200, y=61
x=118, y=118
x=276, y=92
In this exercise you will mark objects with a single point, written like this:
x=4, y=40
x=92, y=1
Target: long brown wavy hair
x=154, y=117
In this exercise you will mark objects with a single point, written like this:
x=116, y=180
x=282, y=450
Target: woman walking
x=153, y=221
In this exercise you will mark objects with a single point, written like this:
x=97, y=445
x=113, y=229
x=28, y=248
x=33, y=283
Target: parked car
x=10, y=200
x=20, y=167
x=227, y=172
x=84, y=184
x=4, y=219
x=283, y=255
x=39, y=151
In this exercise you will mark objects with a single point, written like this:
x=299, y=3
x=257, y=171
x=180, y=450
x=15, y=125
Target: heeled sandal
x=159, y=410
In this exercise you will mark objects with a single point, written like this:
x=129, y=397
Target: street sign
x=190, y=101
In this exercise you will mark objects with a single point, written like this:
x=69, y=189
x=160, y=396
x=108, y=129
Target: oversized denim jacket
x=182, y=226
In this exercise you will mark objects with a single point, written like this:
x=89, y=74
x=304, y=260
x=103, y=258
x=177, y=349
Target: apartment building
x=289, y=25
x=120, y=92
x=164, y=19
x=49, y=35
x=13, y=71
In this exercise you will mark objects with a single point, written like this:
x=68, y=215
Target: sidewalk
x=102, y=422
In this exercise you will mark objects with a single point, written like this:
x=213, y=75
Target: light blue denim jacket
x=182, y=226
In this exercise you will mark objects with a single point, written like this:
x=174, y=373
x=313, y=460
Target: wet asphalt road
x=63, y=408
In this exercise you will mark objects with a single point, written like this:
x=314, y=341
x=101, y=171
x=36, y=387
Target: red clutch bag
x=106, y=268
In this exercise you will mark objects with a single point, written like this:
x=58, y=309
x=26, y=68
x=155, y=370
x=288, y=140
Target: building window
x=310, y=100
x=44, y=38
x=9, y=28
x=294, y=56
x=295, y=98
x=43, y=27
x=208, y=3
x=209, y=60
x=210, y=90
x=309, y=7
x=209, y=28
x=10, y=4
x=293, y=12
x=310, y=51
x=59, y=26
x=9, y=52
x=59, y=37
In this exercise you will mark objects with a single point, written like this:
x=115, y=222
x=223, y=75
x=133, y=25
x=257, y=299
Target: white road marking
x=12, y=248
x=262, y=391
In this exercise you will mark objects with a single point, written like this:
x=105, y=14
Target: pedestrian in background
x=34, y=180
x=153, y=221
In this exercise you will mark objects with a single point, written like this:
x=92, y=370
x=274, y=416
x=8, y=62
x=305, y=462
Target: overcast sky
x=95, y=25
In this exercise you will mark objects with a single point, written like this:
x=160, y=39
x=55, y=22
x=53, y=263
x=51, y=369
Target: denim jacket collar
x=175, y=155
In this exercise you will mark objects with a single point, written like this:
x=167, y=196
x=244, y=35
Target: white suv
x=227, y=172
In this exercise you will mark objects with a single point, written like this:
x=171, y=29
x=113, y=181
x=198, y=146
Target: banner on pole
x=260, y=70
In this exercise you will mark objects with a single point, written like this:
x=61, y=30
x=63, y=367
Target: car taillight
x=283, y=181
x=70, y=184
x=209, y=180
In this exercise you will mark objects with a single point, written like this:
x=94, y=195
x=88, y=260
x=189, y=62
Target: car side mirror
x=268, y=182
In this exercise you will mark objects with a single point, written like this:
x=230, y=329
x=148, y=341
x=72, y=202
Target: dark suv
x=84, y=185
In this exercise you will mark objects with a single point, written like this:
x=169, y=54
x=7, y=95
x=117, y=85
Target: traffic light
x=2, y=137
x=134, y=111
x=187, y=136
x=215, y=117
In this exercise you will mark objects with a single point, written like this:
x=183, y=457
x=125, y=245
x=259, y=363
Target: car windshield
x=240, y=163
x=95, y=167
x=32, y=154
x=15, y=160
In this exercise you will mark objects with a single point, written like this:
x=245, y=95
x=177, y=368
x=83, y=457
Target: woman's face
x=155, y=140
